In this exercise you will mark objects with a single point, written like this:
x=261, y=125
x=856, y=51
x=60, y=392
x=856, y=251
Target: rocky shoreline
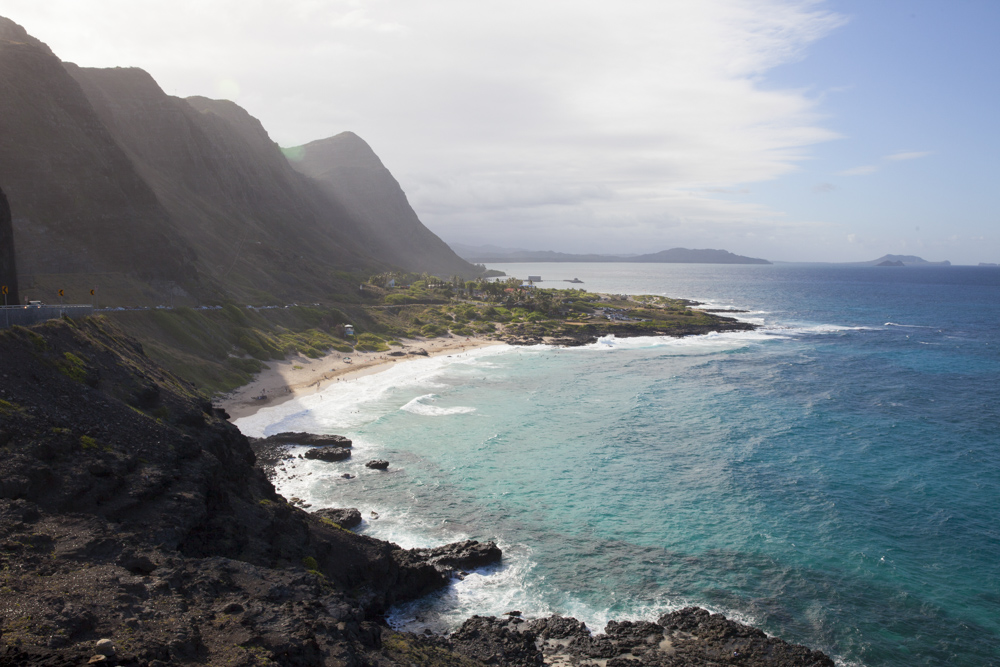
x=132, y=511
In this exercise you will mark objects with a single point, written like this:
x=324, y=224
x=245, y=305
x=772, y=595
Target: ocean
x=832, y=478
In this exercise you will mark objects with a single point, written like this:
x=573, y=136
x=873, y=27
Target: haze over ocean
x=832, y=478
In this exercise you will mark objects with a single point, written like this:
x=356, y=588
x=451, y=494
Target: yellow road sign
x=91, y=292
x=3, y=289
x=61, y=293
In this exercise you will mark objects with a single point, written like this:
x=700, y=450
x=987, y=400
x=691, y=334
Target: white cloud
x=907, y=155
x=555, y=115
x=863, y=170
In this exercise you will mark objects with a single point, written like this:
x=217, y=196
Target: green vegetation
x=72, y=367
x=219, y=349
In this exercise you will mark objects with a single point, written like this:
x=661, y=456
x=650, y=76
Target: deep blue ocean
x=832, y=478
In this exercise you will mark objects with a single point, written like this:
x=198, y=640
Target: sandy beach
x=299, y=375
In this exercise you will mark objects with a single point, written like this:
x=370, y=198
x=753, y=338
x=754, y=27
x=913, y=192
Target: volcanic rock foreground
x=131, y=511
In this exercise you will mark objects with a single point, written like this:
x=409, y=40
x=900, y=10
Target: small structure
x=348, y=329
x=534, y=279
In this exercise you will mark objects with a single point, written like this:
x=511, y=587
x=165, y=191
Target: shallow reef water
x=832, y=477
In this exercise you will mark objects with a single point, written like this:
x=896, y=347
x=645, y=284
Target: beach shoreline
x=296, y=376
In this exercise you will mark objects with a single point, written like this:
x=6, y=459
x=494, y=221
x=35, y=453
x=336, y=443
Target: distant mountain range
x=498, y=255
x=108, y=176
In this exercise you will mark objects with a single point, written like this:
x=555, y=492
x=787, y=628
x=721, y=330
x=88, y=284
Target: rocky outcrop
x=691, y=637
x=345, y=518
x=328, y=454
x=131, y=511
x=378, y=464
x=459, y=557
x=8, y=266
x=310, y=439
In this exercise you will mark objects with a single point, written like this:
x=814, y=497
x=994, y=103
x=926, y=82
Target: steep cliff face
x=259, y=225
x=110, y=176
x=8, y=266
x=79, y=204
x=130, y=509
x=352, y=174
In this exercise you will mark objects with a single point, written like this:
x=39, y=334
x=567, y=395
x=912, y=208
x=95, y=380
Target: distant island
x=495, y=254
x=901, y=260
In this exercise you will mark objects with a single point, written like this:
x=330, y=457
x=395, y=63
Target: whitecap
x=419, y=406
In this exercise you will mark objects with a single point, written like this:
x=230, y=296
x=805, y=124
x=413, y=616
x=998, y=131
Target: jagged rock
x=458, y=556
x=378, y=464
x=496, y=641
x=345, y=518
x=310, y=439
x=691, y=637
x=421, y=352
x=8, y=268
x=328, y=453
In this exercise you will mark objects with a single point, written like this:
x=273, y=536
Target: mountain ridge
x=111, y=180
x=351, y=173
x=671, y=256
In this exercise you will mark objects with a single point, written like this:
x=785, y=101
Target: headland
x=137, y=530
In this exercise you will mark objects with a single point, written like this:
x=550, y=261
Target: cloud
x=912, y=155
x=535, y=115
x=824, y=187
x=867, y=169
x=863, y=170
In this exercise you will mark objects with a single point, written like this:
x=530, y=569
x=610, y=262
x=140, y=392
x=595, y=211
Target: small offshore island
x=139, y=529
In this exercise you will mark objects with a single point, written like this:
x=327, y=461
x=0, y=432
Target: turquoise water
x=833, y=478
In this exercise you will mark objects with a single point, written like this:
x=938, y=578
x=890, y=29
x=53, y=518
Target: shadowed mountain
x=79, y=205
x=353, y=175
x=261, y=228
x=112, y=179
x=8, y=267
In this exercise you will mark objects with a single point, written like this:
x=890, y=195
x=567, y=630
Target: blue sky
x=804, y=130
x=903, y=77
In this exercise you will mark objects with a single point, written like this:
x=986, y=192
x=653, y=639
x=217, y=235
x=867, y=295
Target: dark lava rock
x=690, y=637
x=328, y=453
x=467, y=555
x=378, y=464
x=345, y=518
x=421, y=352
x=311, y=439
x=497, y=641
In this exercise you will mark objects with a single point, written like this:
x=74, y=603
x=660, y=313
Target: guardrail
x=25, y=315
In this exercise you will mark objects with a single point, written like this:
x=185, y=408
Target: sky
x=794, y=130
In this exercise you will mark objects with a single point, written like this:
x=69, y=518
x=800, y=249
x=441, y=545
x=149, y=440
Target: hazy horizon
x=788, y=130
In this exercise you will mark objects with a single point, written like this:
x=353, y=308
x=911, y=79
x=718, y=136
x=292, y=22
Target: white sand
x=299, y=375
